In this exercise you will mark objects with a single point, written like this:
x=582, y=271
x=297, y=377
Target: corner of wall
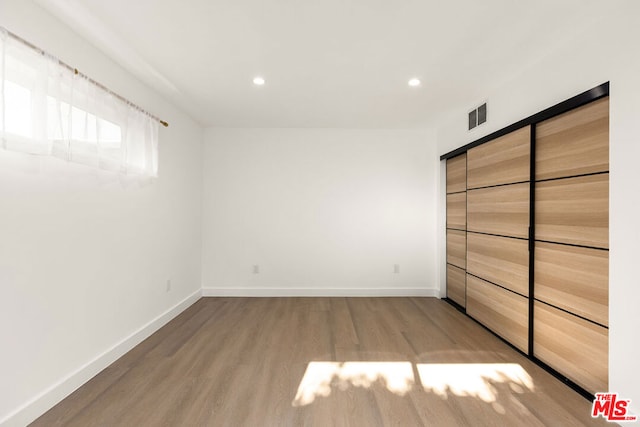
x=48, y=398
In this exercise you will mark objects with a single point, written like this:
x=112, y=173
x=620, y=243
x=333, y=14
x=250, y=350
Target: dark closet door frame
x=584, y=98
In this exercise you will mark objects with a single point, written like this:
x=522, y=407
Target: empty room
x=349, y=213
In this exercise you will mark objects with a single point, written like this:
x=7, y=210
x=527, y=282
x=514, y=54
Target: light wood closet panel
x=457, y=248
x=456, y=224
x=500, y=210
x=502, y=311
x=497, y=213
x=457, y=174
x=571, y=273
x=574, y=211
x=501, y=260
x=456, y=284
x=457, y=211
x=574, y=279
x=504, y=160
x=573, y=346
x=574, y=143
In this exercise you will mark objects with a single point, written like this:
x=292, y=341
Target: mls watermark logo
x=611, y=408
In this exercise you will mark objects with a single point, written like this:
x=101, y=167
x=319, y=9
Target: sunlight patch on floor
x=320, y=377
x=473, y=379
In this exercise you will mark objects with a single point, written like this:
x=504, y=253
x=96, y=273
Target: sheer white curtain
x=47, y=109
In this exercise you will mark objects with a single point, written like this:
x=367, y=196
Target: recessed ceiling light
x=414, y=82
x=258, y=81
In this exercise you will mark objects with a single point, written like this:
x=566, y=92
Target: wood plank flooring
x=322, y=362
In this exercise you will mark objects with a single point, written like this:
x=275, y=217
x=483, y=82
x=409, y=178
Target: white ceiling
x=327, y=63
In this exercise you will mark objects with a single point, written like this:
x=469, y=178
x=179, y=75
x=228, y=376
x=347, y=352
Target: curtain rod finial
x=165, y=124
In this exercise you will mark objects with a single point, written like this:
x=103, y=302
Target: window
x=46, y=108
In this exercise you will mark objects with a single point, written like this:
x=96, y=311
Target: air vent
x=478, y=116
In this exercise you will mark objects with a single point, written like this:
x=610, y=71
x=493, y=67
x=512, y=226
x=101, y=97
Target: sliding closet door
x=456, y=229
x=528, y=236
x=571, y=244
x=498, y=198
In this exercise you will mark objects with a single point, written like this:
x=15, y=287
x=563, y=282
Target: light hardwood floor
x=322, y=362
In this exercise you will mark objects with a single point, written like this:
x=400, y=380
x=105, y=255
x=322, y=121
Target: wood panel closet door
x=504, y=312
x=534, y=268
x=502, y=211
x=457, y=284
x=498, y=199
x=456, y=229
x=573, y=346
x=457, y=248
x=574, y=279
x=500, y=260
x=574, y=211
x=457, y=174
x=574, y=143
x=504, y=160
x=571, y=286
x=457, y=211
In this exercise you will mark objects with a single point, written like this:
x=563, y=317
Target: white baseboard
x=48, y=398
x=320, y=292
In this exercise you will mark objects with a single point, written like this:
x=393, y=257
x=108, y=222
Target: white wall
x=603, y=49
x=322, y=212
x=84, y=258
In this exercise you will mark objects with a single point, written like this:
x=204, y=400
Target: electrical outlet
x=168, y=288
x=396, y=268
x=256, y=269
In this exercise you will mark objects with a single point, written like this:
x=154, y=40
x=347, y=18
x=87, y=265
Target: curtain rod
x=92, y=81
